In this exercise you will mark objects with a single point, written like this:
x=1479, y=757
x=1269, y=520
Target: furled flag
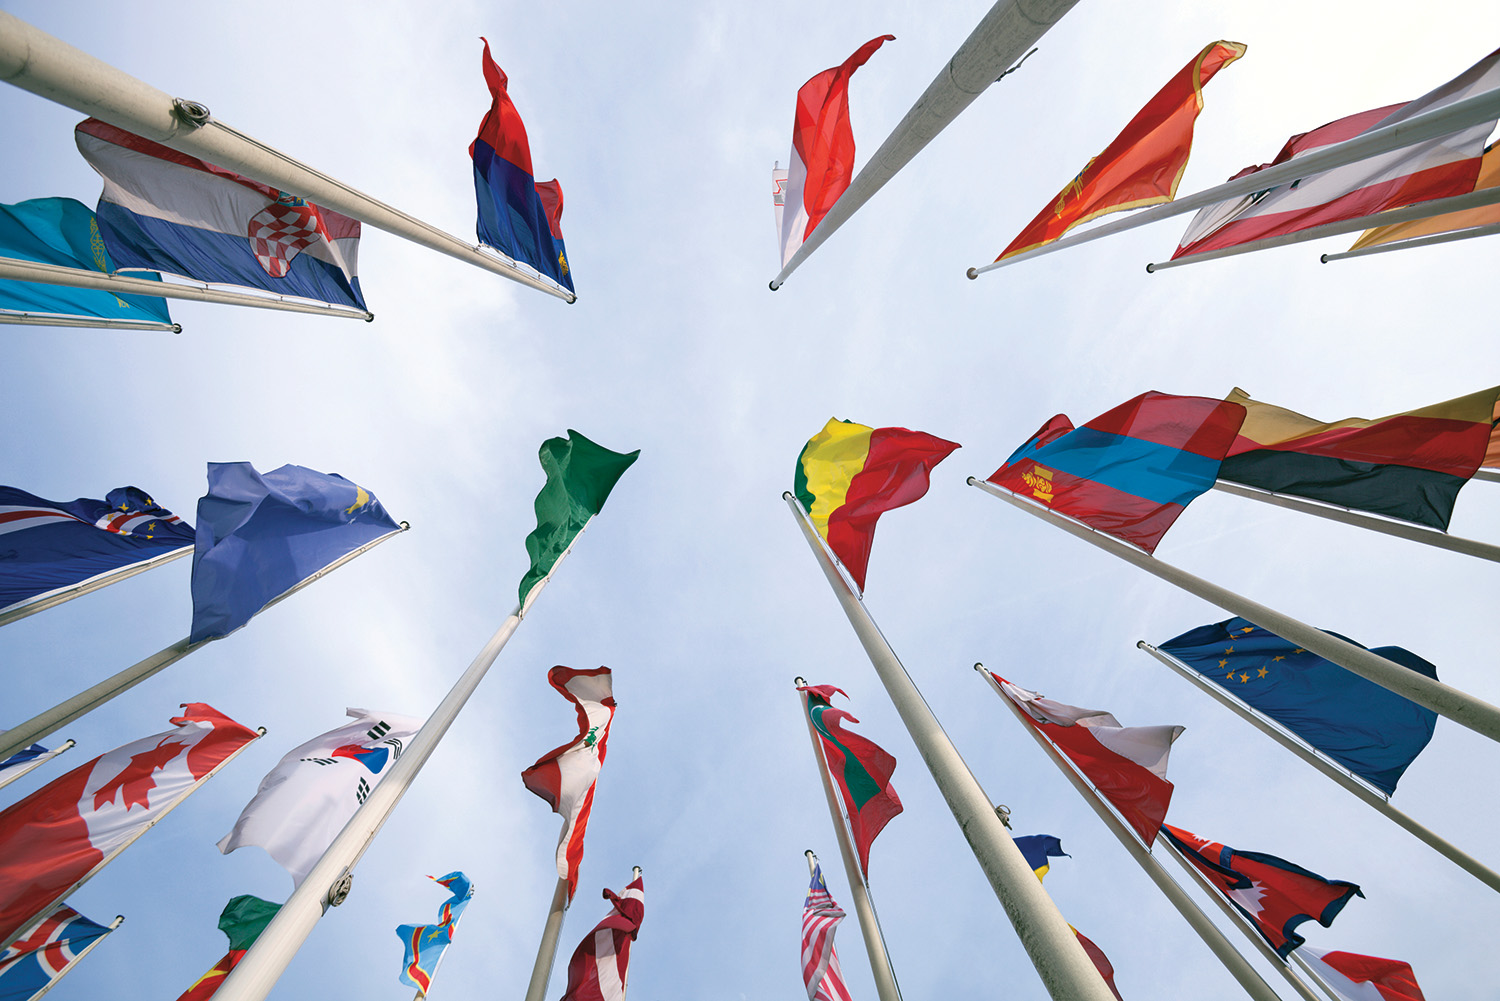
x=822, y=163
x=1408, y=466
x=63, y=232
x=241, y=921
x=1127, y=764
x=51, y=546
x=848, y=475
x=1131, y=471
x=600, y=965
x=778, y=195
x=65, y=831
x=1448, y=222
x=1437, y=168
x=1275, y=895
x=580, y=475
x=565, y=776
x=1363, y=978
x=259, y=536
x=168, y=211
x=860, y=769
x=518, y=215
x=1036, y=849
x=1144, y=163
x=820, y=962
x=309, y=796
x=30, y=965
x=1370, y=730
x=425, y=944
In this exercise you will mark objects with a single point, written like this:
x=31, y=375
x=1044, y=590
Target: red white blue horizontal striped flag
x=820, y=963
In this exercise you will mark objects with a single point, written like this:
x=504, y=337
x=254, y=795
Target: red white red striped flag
x=600, y=964
x=820, y=963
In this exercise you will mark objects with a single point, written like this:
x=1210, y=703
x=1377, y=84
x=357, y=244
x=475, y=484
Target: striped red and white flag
x=599, y=968
x=820, y=963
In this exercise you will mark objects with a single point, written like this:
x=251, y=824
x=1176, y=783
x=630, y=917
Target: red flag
x=1364, y=978
x=860, y=769
x=1101, y=962
x=821, y=918
x=598, y=969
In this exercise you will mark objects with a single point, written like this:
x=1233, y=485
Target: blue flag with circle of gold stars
x=1373, y=732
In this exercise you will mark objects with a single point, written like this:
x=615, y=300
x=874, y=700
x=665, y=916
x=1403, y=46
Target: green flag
x=580, y=475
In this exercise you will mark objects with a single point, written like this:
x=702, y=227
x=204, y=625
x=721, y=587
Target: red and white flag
x=61, y=834
x=1364, y=978
x=600, y=964
x=820, y=963
x=565, y=777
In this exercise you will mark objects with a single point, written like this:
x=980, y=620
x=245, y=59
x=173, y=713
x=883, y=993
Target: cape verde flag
x=168, y=211
x=31, y=964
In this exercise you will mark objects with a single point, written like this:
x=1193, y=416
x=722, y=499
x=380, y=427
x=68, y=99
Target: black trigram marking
x=396, y=746
x=379, y=730
x=320, y=761
x=362, y=793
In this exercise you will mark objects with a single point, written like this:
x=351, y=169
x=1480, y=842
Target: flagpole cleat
x=190, y=113
x=339, y=891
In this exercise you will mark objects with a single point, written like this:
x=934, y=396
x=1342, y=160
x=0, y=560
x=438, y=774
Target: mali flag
x=242, y=920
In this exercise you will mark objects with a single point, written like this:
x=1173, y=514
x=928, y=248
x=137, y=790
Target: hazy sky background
x=662, y=123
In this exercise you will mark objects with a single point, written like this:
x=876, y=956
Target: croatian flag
x=61, y=834
x=30, y=965
x=599, y=966
x=171, y=212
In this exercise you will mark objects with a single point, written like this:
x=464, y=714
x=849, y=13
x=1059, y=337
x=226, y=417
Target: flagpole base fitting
x=339, y=891
x=973, y=273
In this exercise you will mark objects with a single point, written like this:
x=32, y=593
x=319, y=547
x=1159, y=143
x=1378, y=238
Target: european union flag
x=261, y=535
x=1371, y=731
x=425, y=943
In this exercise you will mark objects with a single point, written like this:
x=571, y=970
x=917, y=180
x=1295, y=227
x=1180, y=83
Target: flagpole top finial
x=973, y=273
x=971, y=481
x=1141, y=644
x=1151, y=269
x=406, y=526
x=786, y=495
x=810, y=853
x=979, y=667
x=774, y=285
x=635, y=872
x=799, y=681
x=1323, y=259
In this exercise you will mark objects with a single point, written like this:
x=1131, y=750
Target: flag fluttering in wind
x=860, y=769
x=241, y=921
x=425, y=944
x=24, y=756
x=1363, y=978
x=1370, y=730
x=518, y=215
x=1144, y=163
x=1129, y=472
x=63, y=832
x=1408, y=466
x=848, y=475
x=1448, y=222
x=820, y=961
x=309, y=796
x=565, y=776
x=1036, y=849
x=260, y=535
x=31, y=964
x=600, y=965
x=1436, y=168
x=822, y=162
x=171, y=212
x=1274, y=894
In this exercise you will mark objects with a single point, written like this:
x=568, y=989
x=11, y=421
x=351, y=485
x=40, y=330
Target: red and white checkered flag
x=281, y=231
x=597, y=971
x=820, y=963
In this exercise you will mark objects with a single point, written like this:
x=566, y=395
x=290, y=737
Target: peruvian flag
x=64, y=832
x=1364, y=978
x=565, y=777
x=598, y=969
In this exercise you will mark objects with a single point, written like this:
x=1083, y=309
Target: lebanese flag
x=1364, y=978
x=565, y=777
x=61, y=834
x=1127, y=764
x=597, y=971
x=822, y=163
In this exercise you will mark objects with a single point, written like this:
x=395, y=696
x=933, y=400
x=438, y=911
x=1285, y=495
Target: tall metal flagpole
x=1493, y=475
x=36, y=61
x=92, y=323
x=92, y=698
x=869, y=923
x=1008, y=30
x=1065, y=969
x=117, y=922
x=1445, y=700
x=42, y=602
x=546, y=953
x=11, y=774
x=1365, y=793
x=1420, y=241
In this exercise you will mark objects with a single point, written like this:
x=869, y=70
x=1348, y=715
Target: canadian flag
x=598, y=969
x=61, y=834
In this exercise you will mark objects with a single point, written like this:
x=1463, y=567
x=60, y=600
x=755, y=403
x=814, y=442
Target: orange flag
x=1485, y=215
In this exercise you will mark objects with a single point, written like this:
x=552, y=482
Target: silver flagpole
x=635, y=874
x=43, y=602
x=1364, y=792
x=1445, y=700
x=1333, y=512
x=546, y=953
x=1236, y=964
x=1420, y=241
x=1064, y=968
x=92, y=698
x=97, y=322
x=117, y=922
x=47, y=66
x=1487, y=474
x=1430, y=125
x=11, y=774
x=864, y=909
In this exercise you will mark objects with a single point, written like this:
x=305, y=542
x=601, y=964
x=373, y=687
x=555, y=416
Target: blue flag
x=425, y=943
x=22, y=756
x=261, y=535
x=47, y=546
x=33, y=962
x=1371, y=731
x=64, y=232
x=1037, y=848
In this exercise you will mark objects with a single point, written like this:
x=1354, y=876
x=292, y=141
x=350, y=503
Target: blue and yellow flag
x=1037, y=848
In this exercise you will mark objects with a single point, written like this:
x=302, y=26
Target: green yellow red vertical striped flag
x=242, y=921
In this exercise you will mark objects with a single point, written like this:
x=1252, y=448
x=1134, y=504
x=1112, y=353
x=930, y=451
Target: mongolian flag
x=241, y=921
x=600, y=965
x=30, y=965
x=821, y=918
x=1363, y=978
x=1273, y=894
x=425, y=944
x=1144, y=163
x=848, y=475
x=860, y=769
x=1130, y=472
x=1448, y=222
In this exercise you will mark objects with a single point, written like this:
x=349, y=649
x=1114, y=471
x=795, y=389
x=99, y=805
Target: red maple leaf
x=137, y=779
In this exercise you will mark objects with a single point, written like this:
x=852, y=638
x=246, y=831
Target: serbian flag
x=1363, y=978
x=822, y=163
x=518, y=215
x=1274, y=894
x=241, y=921
x=1448, y=222
x=61, y=834
x=1438, y=168
x=1127, y=764
x=30, y=965
x=598, y=969
x=1143, y=165
x=167, y=211
x=1129, y=472
x=565, y=777
x=860, y=769
x=848, y=475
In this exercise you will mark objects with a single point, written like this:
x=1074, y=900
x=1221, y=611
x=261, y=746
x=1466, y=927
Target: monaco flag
x=598, y=969
x=64, y=832
x=565, y=776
